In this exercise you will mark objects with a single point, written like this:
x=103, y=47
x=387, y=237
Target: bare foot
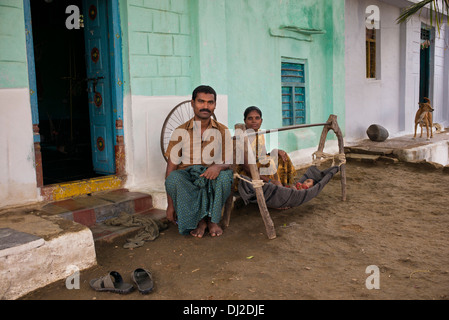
x=170, y=212
x=200, y=230
x=214, y=229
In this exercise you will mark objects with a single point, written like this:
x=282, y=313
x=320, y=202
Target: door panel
x=99, y=86
x=424, y=74
x=100, y=132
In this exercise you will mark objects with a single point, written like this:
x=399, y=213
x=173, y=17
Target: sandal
x=143, y=280
x=112, y=282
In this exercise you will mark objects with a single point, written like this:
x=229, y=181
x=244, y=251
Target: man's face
x=203, y=105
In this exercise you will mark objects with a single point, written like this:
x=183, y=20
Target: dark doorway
x=63, y=106
x=424, y=69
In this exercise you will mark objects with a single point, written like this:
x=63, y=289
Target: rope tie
x=341, y=158
x=255, y=183
x=318, y=155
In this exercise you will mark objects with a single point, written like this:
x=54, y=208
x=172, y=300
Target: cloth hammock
x=281, y=197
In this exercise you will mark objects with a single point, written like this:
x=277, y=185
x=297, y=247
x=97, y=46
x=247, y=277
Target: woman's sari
x=267, y=164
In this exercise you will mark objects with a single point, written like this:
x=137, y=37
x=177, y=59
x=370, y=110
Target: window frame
x=376, y=61
x=293, y=86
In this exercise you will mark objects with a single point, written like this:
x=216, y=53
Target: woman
x=285, y=173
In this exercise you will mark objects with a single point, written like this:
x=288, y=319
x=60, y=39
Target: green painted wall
x=13, y=64
x=176, y=45
x=238, y=54
x=159, y=44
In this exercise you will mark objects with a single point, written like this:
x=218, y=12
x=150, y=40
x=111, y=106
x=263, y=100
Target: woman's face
x=253, y=120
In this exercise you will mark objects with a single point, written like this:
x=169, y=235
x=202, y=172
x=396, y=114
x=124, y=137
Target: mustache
x=207, y=110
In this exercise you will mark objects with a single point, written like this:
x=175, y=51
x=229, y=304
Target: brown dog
x=424, y=118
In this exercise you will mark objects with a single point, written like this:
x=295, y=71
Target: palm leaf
x=412, y=10
x=436, y=11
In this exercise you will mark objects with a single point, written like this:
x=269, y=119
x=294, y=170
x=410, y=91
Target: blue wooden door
x=99, y=85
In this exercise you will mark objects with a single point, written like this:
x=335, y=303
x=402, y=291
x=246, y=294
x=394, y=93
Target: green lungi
x=195, y=197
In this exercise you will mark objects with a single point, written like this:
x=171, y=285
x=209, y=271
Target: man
x=198, y=180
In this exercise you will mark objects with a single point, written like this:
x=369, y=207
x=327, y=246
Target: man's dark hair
x=204, y=89
x=252, y=108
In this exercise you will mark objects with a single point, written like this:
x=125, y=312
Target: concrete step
x=36, y=250
x=371, y=150
x=42, y=242
x=16, y=242
x=369, y=158
x=96, y=208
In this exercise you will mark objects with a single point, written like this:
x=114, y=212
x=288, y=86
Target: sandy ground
x=396, y=217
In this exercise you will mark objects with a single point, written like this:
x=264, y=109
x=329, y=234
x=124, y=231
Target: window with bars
x=293, y=93
x=371, y=53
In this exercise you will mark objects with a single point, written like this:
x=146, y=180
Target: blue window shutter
x=293, y=93
x=287, y=109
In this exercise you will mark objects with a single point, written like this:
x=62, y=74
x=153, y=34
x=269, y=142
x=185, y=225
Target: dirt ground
x=396, y=217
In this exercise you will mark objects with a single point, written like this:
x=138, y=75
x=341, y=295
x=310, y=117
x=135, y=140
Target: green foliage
x=438, y=8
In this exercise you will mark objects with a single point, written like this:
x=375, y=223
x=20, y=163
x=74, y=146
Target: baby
x=305, y=185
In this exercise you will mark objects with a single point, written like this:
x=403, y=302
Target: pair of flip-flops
x=113, y=282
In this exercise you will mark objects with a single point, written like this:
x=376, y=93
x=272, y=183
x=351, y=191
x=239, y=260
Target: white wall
x=409, y=80
x=17, y=173
x=392, y=100
x=371, y=101
x=441, y=75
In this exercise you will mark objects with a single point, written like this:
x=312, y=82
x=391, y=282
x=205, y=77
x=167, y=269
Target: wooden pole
x=229, y=205
x=333, y=125
x=269, y=225
x=299, y=126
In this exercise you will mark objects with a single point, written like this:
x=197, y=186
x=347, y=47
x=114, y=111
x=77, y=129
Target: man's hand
x=213, y=171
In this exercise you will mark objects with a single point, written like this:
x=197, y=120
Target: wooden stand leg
x=333, y=125
x=229, y=205
x=343, y=182
x=341, y=150
x=269, y=225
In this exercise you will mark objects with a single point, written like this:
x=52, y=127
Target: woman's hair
x=252, y=108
